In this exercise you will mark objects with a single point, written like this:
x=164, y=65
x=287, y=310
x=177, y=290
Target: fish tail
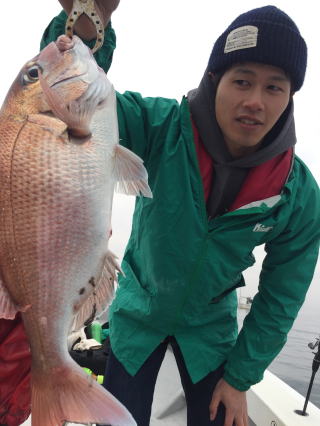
x=72, y=395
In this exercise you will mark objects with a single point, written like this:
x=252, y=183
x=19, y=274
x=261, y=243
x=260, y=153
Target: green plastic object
x=98, y=378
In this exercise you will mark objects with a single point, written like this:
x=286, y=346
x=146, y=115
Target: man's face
x=249, y=101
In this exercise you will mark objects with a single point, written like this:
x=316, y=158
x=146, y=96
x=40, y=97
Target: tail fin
x=71, y=395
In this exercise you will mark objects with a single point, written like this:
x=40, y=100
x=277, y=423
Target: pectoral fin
x=130, y=173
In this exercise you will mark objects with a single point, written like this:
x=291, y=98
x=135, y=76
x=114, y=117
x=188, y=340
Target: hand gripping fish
x=59, y=163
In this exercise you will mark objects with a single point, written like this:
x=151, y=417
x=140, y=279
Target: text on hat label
x=241, y=38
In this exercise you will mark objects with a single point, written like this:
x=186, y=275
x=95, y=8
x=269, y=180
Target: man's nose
x=254, y=100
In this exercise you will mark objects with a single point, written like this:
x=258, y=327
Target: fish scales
x=56, y=219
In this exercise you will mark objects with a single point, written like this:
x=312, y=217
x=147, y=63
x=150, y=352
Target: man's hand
x=84, y=27
x=234, y=401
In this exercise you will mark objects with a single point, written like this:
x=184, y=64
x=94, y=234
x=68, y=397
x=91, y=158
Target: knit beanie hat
x=266, y=35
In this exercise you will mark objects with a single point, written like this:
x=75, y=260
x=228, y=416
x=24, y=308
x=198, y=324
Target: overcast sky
x=163, y=49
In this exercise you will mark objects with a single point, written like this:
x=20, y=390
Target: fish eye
x=32, y=74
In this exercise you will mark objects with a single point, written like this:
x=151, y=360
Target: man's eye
x=274, y=88
x=242, y=83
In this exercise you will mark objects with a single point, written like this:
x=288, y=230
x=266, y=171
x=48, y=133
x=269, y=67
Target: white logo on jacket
x=262, y=228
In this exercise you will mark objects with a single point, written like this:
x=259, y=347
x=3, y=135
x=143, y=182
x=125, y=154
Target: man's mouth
x=249, y=121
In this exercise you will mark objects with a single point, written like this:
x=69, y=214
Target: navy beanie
x=266, y=35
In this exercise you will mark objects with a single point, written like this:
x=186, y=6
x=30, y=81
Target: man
x=225, y=179
x=190, y=244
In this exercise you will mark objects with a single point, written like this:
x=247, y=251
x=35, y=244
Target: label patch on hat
x=241, y=38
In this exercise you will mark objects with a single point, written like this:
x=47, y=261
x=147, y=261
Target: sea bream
x=59, y=163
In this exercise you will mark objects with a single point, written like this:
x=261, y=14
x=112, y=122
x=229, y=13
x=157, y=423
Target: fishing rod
x=315, y=367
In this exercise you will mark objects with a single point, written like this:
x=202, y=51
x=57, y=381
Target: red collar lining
x=263, y=181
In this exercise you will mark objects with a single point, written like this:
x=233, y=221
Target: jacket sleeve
x=103, y=56
x=148, y=124
x=15, y=364
x=286, y=274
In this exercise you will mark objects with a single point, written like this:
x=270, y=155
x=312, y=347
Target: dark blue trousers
x=136, y=392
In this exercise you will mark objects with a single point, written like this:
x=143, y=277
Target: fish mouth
x=76, y=113
x=71, y=78
x=72, y=86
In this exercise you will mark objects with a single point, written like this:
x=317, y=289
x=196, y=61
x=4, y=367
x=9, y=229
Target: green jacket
x=180, y=268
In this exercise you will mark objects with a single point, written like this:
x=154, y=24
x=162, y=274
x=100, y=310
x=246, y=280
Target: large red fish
x=59, y=162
